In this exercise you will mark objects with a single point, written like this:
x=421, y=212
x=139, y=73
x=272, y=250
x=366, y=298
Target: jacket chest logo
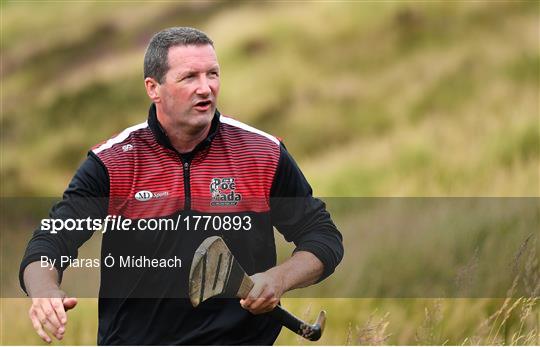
x=223, y=191
x=145, y=195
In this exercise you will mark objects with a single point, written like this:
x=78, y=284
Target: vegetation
x=390, y=99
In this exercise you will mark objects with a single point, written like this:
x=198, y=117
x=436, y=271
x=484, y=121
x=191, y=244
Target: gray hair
x=156, y=62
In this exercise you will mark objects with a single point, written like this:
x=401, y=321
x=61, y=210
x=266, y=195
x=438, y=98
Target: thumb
x=69, y=303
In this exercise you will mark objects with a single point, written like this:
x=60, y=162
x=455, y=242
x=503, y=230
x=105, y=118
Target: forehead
x=192, y=57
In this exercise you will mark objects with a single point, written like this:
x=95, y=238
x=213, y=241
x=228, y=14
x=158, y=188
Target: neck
x=183, y=138
x=185, y=142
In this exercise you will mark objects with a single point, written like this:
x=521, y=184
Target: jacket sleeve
x=301, y=218
x=86, y=196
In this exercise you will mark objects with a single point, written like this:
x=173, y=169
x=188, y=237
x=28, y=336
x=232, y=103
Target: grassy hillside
x=389, y=99
x=409, y=99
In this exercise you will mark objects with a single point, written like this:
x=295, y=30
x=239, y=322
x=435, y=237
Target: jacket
x=237, y=171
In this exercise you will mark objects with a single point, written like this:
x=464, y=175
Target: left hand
x=266, y=292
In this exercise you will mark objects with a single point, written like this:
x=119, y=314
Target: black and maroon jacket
x=236, y=171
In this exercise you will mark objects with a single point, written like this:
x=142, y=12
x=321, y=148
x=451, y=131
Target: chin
x=202, y=119
x=208, y=115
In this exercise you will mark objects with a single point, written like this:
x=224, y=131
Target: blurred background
x=373, y=99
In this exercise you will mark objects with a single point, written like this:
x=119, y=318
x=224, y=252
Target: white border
x=241, y=125
x=120, y=137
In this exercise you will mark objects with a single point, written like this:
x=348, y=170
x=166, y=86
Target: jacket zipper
x=187, y=189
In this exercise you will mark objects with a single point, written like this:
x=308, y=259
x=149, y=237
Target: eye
x=214, y=73
x=187, y=77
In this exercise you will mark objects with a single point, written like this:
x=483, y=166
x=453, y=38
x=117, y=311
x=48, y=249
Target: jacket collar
x=163, y=139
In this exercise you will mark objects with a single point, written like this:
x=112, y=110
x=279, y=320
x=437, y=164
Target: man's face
x=189, y=90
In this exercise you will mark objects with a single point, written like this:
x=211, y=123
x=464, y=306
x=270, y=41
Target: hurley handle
x=312, y=332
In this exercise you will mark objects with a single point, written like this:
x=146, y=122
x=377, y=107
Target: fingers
x=263, y=305
x=254, y=294
x=260, y=305
x=261, y=299
x=39, y=329
x=48, y=314
x=50, y=328
x=58, y=307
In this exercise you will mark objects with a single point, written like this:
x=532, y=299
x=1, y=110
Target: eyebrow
x=191, y=71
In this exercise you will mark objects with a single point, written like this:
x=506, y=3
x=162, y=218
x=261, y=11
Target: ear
x=152, y=89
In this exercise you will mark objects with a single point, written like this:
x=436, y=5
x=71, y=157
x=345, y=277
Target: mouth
x=203, y=105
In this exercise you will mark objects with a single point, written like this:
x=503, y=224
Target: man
x=187, y=160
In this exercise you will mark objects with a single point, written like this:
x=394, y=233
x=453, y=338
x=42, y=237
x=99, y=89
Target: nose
x=204, y=87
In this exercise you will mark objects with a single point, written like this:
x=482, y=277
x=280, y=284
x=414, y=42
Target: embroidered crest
x=223, y=191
